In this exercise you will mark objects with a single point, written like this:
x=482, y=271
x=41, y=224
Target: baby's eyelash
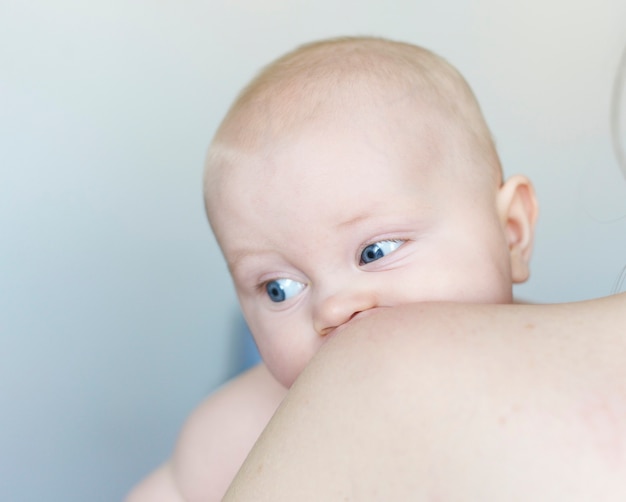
x=379, y=249
x=281, y=289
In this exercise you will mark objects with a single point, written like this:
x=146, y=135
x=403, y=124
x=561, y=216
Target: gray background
x=116, y=312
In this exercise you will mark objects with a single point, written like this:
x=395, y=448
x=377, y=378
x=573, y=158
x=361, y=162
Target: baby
x=351, y=175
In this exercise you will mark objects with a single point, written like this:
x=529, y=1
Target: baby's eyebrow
x=237, y=259
x=355, y=220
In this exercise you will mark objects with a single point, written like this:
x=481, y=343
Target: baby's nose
x=337, y=309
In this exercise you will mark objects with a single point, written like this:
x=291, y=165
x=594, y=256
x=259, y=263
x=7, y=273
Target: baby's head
x=356, y=174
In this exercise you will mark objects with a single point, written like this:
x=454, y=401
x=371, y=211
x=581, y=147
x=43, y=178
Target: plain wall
x=116, y=312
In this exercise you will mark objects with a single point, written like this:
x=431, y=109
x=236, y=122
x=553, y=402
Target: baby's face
x=342, y=219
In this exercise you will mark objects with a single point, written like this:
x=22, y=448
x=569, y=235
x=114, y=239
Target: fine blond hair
x=321, y=78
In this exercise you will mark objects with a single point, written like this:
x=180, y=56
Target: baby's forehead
x=355, y=138
x=380, y=116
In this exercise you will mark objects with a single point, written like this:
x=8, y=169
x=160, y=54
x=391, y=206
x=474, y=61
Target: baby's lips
x=359, y=315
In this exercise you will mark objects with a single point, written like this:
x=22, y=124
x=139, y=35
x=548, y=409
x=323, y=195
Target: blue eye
x=379, y=249
x=280, y=290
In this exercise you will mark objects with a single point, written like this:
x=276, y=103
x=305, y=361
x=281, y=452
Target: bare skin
x=455, y=402
x=384, y=192
x=205, y=462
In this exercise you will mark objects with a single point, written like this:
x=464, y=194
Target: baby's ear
x=517, y=208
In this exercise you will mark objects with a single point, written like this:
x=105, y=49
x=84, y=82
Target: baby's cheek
x=496, y=288
x=282, y=364
x=490, y=285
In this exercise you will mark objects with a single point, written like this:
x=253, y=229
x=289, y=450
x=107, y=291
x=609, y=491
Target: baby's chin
x=286, y=379
x=285, y=374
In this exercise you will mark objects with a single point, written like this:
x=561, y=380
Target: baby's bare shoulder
x=216, y=439
x=219, y=434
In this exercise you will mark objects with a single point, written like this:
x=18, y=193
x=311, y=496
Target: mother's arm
x=455, y=402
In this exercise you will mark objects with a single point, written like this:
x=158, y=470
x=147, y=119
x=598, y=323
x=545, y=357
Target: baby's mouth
x=355, y=317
